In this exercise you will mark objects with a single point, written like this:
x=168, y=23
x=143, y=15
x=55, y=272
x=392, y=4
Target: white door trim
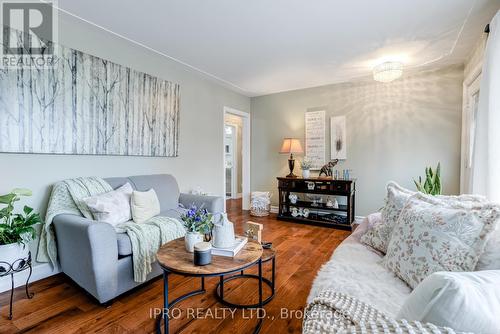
x=245, y=156
x=470, y=85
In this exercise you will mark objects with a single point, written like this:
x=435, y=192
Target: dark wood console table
x=309, y=208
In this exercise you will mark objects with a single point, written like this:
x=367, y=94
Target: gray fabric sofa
x=97, y=258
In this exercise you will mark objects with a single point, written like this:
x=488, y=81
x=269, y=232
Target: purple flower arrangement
x=197, y=220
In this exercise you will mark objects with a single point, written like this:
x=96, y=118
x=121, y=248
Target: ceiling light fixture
x=388, y=71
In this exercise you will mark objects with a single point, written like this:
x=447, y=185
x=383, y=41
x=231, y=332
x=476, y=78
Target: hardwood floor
x=60, y=306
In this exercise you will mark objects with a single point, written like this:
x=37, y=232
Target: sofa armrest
x=88, y=253
x=214, y=204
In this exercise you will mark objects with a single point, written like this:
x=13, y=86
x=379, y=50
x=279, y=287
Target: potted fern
x=432, y=183
x=16, y=228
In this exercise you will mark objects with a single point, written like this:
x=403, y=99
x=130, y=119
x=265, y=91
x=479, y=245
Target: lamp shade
x=291, y=145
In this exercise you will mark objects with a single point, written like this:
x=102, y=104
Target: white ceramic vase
x=306, y=173
x=12, y=252
x=191, y=239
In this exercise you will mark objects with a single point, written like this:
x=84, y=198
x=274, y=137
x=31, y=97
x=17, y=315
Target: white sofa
x=355, y=269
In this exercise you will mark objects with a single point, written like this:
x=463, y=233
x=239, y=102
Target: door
x=231, y=163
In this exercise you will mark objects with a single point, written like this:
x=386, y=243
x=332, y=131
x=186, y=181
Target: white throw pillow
x=468, y=302
x=145, y=205
x=490, y=259
x=433, y=235
x=112, y=207
x=378, y=237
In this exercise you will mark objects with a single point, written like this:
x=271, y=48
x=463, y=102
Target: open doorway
x=232, y=146
x=237, y=156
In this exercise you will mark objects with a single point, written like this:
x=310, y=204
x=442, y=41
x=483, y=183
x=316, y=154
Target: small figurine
x=327, y=169
x=335, y=204
x=254, y=231
x=305, y=213
x=293, y=198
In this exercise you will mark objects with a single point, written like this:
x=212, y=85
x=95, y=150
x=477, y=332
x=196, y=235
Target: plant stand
x=16, y=267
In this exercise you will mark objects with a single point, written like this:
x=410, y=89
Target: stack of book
x=239, y=243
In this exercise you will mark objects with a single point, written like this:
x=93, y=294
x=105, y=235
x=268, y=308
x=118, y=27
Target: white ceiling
x=259, y=47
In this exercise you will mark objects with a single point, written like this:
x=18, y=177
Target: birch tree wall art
x=87, y=105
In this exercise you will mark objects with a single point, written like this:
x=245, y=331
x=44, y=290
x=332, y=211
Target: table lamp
x=291, y=145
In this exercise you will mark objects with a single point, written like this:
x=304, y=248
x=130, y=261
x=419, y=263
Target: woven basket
x=257, y=212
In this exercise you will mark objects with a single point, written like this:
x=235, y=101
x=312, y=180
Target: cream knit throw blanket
x=334, y=312
x=66, y=198
x=146, y=238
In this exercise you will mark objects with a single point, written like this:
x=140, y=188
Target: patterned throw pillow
x=379, y=235
x=112, y=207
x=436, y=235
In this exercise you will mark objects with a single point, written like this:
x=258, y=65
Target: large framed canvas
x=87, y=105
x=338, y=137
x=315, y=138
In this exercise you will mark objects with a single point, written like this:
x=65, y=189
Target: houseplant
x=432, y=183
x=197, y=221
x=306, y=166
x=16, y=229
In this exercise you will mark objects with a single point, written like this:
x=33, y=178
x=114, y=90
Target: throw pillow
x=145, y=205
x=367, y=224
x=112, y=207
x=378, y=237
x=490, y=259
x=468, y=302
x=433, y=235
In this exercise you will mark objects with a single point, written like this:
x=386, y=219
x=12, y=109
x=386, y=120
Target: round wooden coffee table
x=268, y=255
x=174, y=259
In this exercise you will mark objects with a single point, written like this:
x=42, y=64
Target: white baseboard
x=274, y=209
x=358, y=219
x=40, y=271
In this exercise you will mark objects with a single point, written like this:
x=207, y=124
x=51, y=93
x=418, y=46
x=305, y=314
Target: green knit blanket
x=66, y=198
x=146, y=238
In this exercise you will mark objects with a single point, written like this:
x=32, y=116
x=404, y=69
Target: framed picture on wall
x=338, y=137
x=315, y=138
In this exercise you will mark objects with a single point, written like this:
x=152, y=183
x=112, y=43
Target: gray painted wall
x=393, y=131
x=200, y=160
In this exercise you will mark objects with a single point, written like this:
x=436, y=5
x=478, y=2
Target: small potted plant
x=432, y=183
x=16, y=229
x=197, y=221
x=306, y=166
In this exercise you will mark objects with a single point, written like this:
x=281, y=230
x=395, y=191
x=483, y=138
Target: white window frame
x=471, y=87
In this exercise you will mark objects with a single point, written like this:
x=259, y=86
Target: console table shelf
x=320, y=206
x=318, y=213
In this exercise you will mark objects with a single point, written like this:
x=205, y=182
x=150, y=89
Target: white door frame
x=470, y=86
x=245, y=156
